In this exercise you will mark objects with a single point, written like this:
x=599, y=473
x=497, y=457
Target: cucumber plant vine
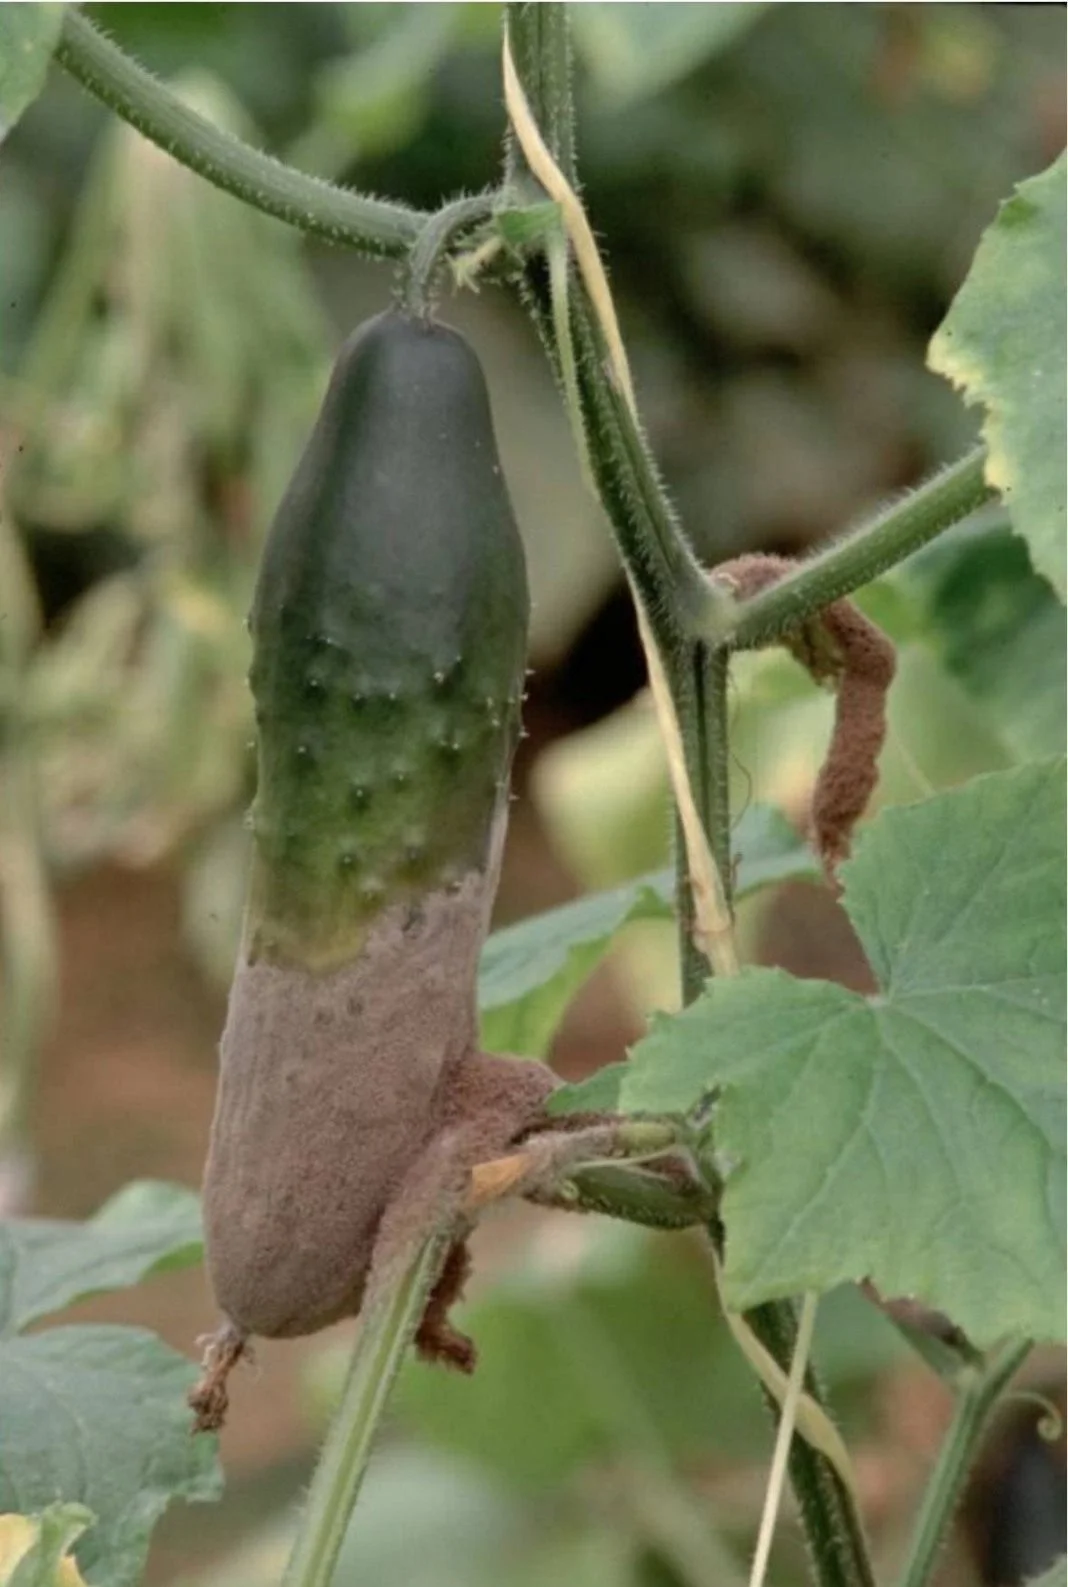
x=955, y=899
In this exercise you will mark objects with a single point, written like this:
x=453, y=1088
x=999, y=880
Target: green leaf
x=1003, y=344
x=46, y=1264
x=28, y=35
x=1000, y=631
x=98, y=1417
x=532, y=970
x=42, y=1565
x=916, y=1137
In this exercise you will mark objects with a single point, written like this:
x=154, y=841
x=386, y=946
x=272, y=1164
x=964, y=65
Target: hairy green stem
x=833, y=1531
x=664, y=574
x=375, y=227
x=609, y=441
x=978, y=1393
x=710, y=753
x=690, y=588
x=832, y=1528
x=541, y=47
x=652, y=546
x=646, y=530
x=638, y=1195
x=431, y=249
x=386, y=1329
x=392, y=1314
x=860, y=556
x=699, y=690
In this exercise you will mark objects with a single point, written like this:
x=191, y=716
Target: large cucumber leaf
x=48, y=1263
x=1003, y=343
x=999, y=630
x=97, y=1416
x=916, y=1137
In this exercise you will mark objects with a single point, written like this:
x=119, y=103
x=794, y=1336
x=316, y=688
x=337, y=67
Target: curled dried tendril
x=841, y=647
x=1050, y=1425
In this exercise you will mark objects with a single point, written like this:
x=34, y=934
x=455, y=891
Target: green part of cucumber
x=389, y=632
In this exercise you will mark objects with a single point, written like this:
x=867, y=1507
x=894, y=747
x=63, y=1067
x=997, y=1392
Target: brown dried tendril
x=841, y=647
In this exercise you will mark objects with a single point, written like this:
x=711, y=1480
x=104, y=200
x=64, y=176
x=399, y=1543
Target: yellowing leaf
x=1003, y=344
x=39, y=1543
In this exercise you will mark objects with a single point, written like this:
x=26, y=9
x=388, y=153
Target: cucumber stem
x=858, y=557
x=670, y=586
x=385, y=1332
x=432, y=246
x=371, y=225
x=979, y=1392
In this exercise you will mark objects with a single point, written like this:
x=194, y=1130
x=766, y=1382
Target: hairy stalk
x=648, y=554
x=385, y=1331
x=651, y=544
x=703, y=885
x=393, y=1308
x=860, y=556
x=832, y=1528
x=371, y=225
x=431, y=251
x=637, y=1195
x=833, y=1533
x=541, y=50
x=712, y=919
x=657, y=538
x=783, y=1439
x=654, y=551
x=709, y=765
x=978, y=1394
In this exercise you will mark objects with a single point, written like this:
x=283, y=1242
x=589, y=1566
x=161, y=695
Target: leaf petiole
x=373, y=226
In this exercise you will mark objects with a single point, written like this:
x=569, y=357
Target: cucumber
x=389, y=630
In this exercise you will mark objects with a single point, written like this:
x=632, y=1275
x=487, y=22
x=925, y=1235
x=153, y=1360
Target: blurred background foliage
x=789, y=196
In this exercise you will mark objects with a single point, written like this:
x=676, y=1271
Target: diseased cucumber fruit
x=389, y=631
x=390, y=626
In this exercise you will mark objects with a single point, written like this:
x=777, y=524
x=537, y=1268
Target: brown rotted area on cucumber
x=389, y=628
